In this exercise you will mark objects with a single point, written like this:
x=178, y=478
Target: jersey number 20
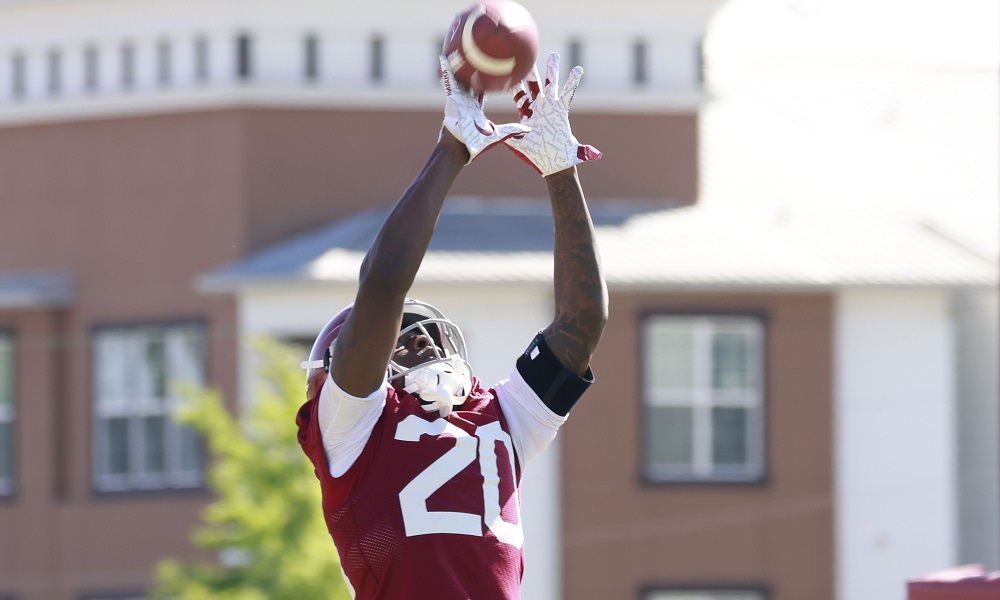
x=413, y=498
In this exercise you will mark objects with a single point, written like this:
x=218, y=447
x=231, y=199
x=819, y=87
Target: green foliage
x=267, y=517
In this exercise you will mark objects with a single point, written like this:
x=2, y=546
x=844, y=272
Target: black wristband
x=558, y=387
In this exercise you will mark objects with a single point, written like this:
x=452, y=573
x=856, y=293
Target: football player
x=419, y=464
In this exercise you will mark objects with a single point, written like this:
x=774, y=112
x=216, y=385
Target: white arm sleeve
x=346, y=423
x=532, y=425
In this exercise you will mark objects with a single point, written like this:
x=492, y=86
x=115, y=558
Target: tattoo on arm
x=580, y=289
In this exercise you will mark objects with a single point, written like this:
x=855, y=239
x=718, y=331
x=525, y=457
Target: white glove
x=464, y=117
x=550, y=145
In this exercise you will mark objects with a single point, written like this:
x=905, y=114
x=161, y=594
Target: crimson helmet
x=319, y=356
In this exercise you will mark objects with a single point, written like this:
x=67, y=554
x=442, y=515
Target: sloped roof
x=824, y=162
x=802, y=247
x=476, y=239
x=509, y=241
x=35, y=289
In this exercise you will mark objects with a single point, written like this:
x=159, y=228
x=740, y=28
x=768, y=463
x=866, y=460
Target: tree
x=266, y=524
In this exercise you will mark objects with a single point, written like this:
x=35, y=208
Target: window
x=137, y=445
x=640, y=68
x=18, y=75
x=54, y=62
x=311, y=51
x=244, y=66
x=128, y=65
x=6, y=414
x=703, y=392
x=574, y=54
x=90, y=69
x=434, y=63
x=201, y=59
x=377, y=48
x=700, y=66
x=705, y=595
x=164, y=70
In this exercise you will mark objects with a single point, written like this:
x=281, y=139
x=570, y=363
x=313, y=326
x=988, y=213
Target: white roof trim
x=47, y=290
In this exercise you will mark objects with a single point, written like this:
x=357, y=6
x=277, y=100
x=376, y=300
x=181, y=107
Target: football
x=492, y=45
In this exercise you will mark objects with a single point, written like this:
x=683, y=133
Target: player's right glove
x=464, y=117
x=550, y=146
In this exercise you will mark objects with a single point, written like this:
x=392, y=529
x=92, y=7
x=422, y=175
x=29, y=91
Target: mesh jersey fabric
x=430, y=508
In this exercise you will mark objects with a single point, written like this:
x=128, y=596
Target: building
x=178, y=177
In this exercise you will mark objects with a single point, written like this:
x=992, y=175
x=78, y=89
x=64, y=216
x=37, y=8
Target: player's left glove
x=464, y=117
x=550, y=146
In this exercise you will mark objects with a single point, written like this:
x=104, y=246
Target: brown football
x=492, y=45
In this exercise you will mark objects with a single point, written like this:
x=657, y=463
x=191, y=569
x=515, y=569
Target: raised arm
x=367, y=339
x=581, y=295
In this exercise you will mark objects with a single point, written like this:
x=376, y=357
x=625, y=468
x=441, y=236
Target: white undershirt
x=346, y=422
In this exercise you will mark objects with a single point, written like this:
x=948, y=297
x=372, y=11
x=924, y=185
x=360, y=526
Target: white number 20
x=413, y=498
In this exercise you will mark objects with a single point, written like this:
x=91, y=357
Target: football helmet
x=440, y=384
x=446, y=380
x=319, y=356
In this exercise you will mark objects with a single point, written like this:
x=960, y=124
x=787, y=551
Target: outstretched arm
x=368, y=337
x=581, y=294
x=369, y=334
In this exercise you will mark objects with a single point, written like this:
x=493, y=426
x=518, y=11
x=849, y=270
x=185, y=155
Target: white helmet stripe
x=479, y=60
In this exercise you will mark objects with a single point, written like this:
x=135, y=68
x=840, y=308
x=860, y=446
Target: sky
x=862, y=104
x=927, y=32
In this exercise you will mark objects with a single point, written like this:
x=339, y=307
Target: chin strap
x=317, y=364
x=440, y=386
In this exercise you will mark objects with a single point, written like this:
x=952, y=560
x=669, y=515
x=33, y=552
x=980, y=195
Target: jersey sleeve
x=532, y=424
x=346, y=423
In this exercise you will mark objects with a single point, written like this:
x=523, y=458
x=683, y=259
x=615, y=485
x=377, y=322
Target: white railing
x=46, y=77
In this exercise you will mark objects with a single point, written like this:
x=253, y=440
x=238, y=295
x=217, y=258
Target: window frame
x=163, y=52
x=91, y=68
x=575, y=51
x=114, y=596
x=311, y=58
x=648, y=591
x=244, y=56
x=377, y=48
x=18, y=75
x=756, y=467
x=9, y=488
x=134, y=481
x=437, y=51
x=701, y=64
x=127, y=59
x=54, y=72
x=640, y=63
x=201, y=55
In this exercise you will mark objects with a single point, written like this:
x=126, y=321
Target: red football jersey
x=431, y=508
